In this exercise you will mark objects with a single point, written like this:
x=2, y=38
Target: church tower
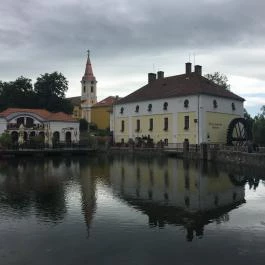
x=89, y=90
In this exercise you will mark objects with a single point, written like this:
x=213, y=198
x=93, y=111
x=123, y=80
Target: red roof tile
x=109, y=101
x=45, y=114
x=177, y=86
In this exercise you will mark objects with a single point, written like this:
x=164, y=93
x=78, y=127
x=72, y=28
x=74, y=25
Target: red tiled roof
x=177, y=86
x=45, y=114
x=88, y=75
x=109, y=101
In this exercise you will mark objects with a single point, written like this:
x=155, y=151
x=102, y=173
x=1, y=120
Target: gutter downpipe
x=198, y=123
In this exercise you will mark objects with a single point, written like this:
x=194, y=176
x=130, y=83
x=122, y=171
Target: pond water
x=130, y=210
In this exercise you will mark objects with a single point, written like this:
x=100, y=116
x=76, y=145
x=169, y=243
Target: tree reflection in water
x=187, y=194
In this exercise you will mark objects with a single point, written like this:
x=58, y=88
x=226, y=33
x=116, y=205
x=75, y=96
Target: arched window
x=186, y=103
x=165, y=106
x=233, y=106
x=137, y=108
x=122, y=110
x=149, y=107
x=215, y=105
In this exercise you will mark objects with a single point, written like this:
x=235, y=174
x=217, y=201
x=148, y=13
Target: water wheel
x=239, y=132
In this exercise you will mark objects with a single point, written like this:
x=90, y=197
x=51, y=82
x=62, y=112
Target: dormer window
x=215, y=105
x=137, y=108
x=122, y=110
x=149, y=107
x=233, y=106
x=165, y=106
x=186, y=103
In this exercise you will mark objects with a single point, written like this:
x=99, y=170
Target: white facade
x=33, y=124
x=200, y=109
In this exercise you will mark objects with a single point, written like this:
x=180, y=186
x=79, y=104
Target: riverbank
x=46, y=152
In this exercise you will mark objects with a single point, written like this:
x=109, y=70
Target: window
x=92, y=82
x=165, y=106
x=165, y=124
x=166, y=142
x=149, y=107
x=215, y=104
x=122, y=110
x=151, y=124
x=233, y=106
x=137, y=108
x=92, y=89
x=122, y=126
x=137, y=125
x=186, y=103
x=186, y=122
x=84, y=89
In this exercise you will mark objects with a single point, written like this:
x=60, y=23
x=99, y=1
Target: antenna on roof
x=194, y=58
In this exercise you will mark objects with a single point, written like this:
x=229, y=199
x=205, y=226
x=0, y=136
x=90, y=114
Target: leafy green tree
x=49, y=93
x=51, y=89
x=83, y=125
x=259, y=127
x=5, y=140
x=48, y=85
x=219, y=79
x=249, y=119
x=18, y=93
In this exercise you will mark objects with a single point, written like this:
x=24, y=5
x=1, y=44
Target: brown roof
x=45, y=114
x=177, y=86
x=109, y=101
x=76, y=101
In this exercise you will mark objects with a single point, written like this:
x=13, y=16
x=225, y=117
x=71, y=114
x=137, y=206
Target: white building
x=175, y=108
x=58, y=127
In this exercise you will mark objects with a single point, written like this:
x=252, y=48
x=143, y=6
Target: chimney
x=198, y=70
x=188, y=68
x=160, y=75
x=151, y=77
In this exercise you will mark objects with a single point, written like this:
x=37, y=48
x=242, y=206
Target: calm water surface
x=130, y=210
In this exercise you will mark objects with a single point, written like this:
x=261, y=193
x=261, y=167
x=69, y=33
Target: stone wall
x=241, y=158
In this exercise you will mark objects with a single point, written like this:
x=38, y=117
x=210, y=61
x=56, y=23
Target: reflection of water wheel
x=238, y=180
x=238, y=132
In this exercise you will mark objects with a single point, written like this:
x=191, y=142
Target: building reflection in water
x=177, y=192
x=168, y=191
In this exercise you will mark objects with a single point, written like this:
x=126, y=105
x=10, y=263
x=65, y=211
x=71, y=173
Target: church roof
x=178, y=86
x=109, y=101
x=88, y=75
x=76, y=101
x=44, y=114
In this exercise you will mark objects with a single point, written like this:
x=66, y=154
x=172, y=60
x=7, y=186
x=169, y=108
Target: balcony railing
x=15, y=126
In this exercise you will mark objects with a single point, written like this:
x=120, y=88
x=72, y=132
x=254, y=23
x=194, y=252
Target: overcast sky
x=128, y=39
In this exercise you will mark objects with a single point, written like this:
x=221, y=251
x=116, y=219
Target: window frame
x=186, y=122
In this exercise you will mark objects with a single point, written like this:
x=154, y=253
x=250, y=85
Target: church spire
x=88, y=75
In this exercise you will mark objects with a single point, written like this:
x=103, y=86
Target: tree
x=249, y=119
x=50, y=89
x=219, y=79
x=259, y=127
x=51, y=84
x=83, y=125
x=5, y=140
x=18, y=93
